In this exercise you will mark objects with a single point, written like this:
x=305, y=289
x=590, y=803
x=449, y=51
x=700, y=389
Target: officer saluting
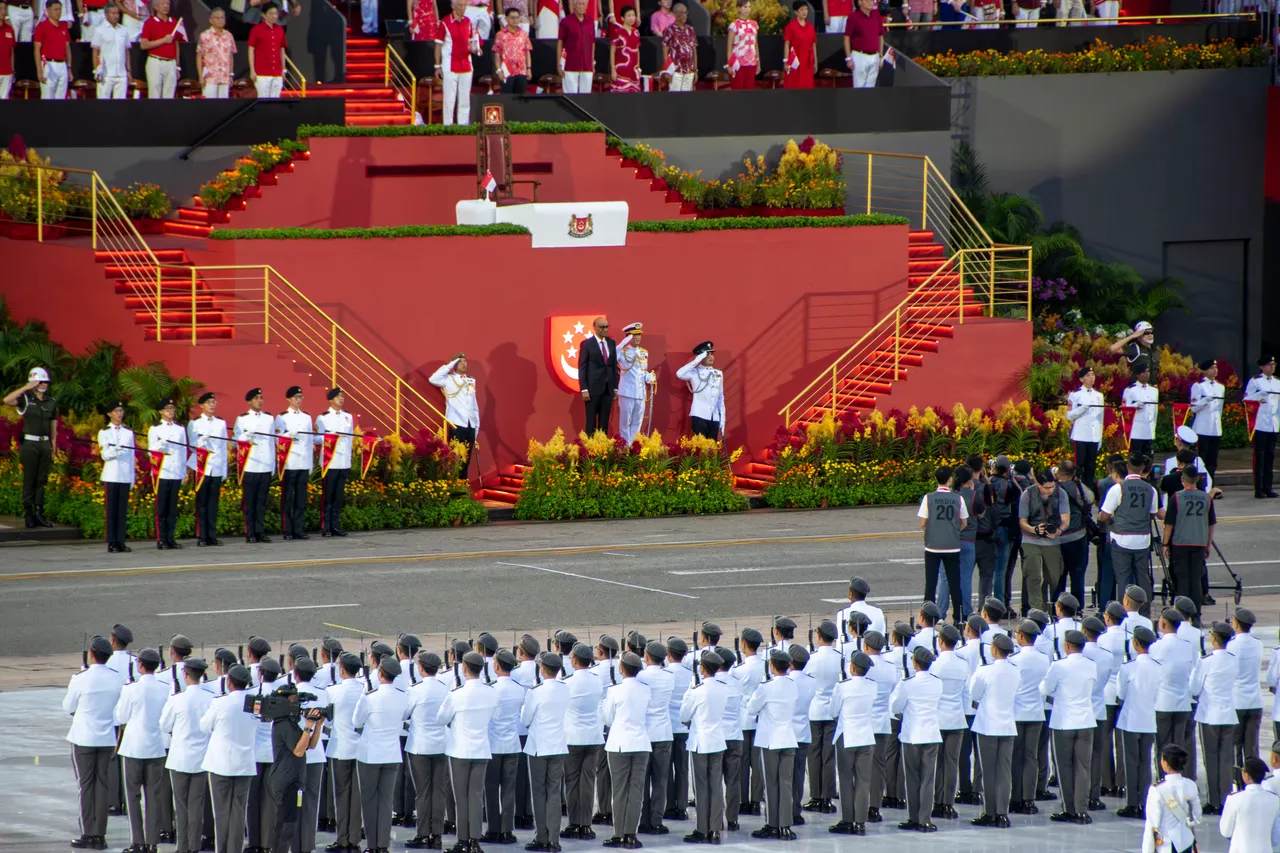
x=208, y=432
x=170, y=439
x=633, y=383
x=462, y=411
x=39, y=413
x=295, y=424
x=1086, y=410
x=1263, y=389
x=1206, y=404
x=115, y=446
x=256, y=427
x=339, y=468
x=706, y=411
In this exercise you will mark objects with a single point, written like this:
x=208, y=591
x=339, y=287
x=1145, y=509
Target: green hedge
x=315, y=131
x=501, y=229
x=755, y=223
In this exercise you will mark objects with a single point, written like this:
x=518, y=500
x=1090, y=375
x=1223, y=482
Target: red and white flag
x=1127, y=416
x=793, y=60
x=1251, y=415
x=489, y=183
x=890, y=58
x=668, y=67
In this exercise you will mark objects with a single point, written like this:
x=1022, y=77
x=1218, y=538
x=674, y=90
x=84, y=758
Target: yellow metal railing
x=397, y=74
x=978, y=282
x=294, y=79
x=1083, y=21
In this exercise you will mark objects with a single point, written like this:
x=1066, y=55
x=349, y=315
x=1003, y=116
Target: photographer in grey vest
x=942, y=516
x=1044, y=513
x=1074, y=540
x=1188, y=534
x=1127, y=509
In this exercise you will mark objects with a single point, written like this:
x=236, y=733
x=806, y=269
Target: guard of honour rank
x=479, y=740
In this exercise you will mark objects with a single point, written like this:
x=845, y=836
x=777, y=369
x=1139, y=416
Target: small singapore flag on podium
x=489, y=184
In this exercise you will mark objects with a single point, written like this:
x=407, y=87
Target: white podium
x=476, y=211
x=571, y=225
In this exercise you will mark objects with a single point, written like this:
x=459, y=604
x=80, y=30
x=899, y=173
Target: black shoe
x=767, y=831
x=645, y=829
x=136, y=848
x=696, y=837
x=603, y=818
x=214, y=541
x=1030, y=808
x=532, y=845
x=1097, y=806
x=751, y=808
x=829, y=807
x=554, y=848
x=680, y=814
x=813, y=805
x=985, y=819
x=41, y=521
x=338, y=532
x=1265, y=495
x=1061, y=817
x=1131, y=811
x=615, y=841
x=207, y=842
x=842, y=827
x=732, y=826
x=160, y=546
x=289, y=536
x=522, y=821
x=1004, y=821
x=1043, y=796
x=1105, y=792
x=200, y=543
x=324, y=534
x=461, y=846
x=1082, y=818
x=474, y=846
x=926, y=827
x=175, y=546
x=123, y=549
x=507, y=838
x=111, y=547
x=1052, y=783
x=908, y=824
x=1208, y=599
x=250, y=540
x=301, y=536
x=84, y=842
x=168, y=837
x=31, y=522
x=586, y=833
x=786, y=834
x=873, y=816
x=491, y=837
x=435, y=842
x=115, y=811
x=859, y=829
x=797, y=820
x=450, y=827
x=1118, y=792
x=266, y=540
x=418, y=842
x=660, y=829
x=1211, y=810
x=972, y=798
x=631, y=842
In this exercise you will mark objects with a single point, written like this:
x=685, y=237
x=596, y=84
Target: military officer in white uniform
x=341, y=750
x=1213, y=682
x=993, y=689
x=116, y=447
x=170, y=439
x=859, y=589
x=380, y=717
x=543, y=714
x=853, y=704
x=772, y=702
x=425, y=750
x=706, y=411
x=1247, y=695
x=1085, y=411
x=180, y=720
x=1173, y=807
x=1250, y=815
x=296, y=425
x=208, y=432
x=634, y=382
x=137, y=712
x=91, y=700
x=229, y=760
x=702, y=709
x=335, y=420
x=467, y=711
x=1207, y=398
x=584, y=736
x=1136, y=689
x=258, y=428
x=627, y=747
x=1264, y=389
x=1145, y=399
x=462, y=409
x=916, y=699
x=1069, y=683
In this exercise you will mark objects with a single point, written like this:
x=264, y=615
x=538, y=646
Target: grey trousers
x=797, y=779
x=893, y=781
x=1246, y=743
x=580, y=782
x=500, y=791
x=947, y=775
x=468, y=793
x=919, y=766
x=190, y=791
x=656, y=774
x=166, y=797
x=604, y=781
x=1171, y=727
x=309, y=817
x=753, y=768
x=678, y=783
x=524, y=799
x=627, y=770
x=822, y=759
x=1026, y=751
x=546, y=779
x=142, y=778
x=996, y=756
x=970, y=766
x=1219, y=748
x=93, y=765
x=1073, y=749
x=262, y=809
x=708, y=790
x=1099, y=762
x=377, y=794
x=1113, y=763
x=1137, y=767
x=779, y=770
x=854, y=765
x=402, y=802
x=1045, y=763
x=732, y=778
x=230, y=796
x=326, y=791
x=879, y=758
x=346, y=801
x=430, y=778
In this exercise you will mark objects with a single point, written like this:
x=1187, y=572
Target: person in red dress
x=800, y=49
x=624, y=52
x=423, y=22
x=51, y=37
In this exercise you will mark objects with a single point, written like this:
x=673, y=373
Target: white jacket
x=582, y=726
x=1170, y=804
x=381, y=716
x=658, y=715
x=853, y=703
x=1248, y=819
x=1070, y=683
x=180, y=719
x=466, y=711
x=543, y=713
x=773, y=703
x=115, y=446
x=343, y=737
x=231, y=730
x=91, y=701
x=625, y=711
x=426, y=735
x=138, y=710
x=993, y=688
x=703, y=709
x=916, y=699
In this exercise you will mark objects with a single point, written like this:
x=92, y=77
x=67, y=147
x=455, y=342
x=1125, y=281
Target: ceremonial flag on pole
x=283, y=445
x=202, y=464
x=157, y=463
x=1180, y=413
x=243, y=449
x=1251, y=415
x=1127, y=414
x=489, y=184
x=367, y=444
x=329, y=443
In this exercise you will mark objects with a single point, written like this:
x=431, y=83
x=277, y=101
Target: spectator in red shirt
x=8, y=38
x=160, y=37
x=577, y=44
x=680, y=48
x=51, y=37
x=455, y=42
x=800, y=49
x=513, y=55
x=266, y=53
x=863, y=44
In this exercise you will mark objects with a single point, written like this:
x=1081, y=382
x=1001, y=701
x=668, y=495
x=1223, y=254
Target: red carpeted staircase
x=369, y=101
x=922, y=334
x=503, y=487
x=178, y=294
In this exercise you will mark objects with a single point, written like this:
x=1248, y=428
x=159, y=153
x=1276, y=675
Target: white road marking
x=1247, y=563
x=256, y=610
x=779, y=583
x=598, y=580
x=902, y=599
x=744, y=569
x=616, y=554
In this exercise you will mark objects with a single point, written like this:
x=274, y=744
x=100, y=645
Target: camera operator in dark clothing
x=287, y=776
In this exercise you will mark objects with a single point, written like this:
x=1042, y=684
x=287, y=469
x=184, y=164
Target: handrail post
x=992, y=311
x=1028, y=283
x=93, y=211
x=897, y=333
x=413, y=99
x=386, y=67
x=333, y=355
x=159, y=297
x=924, y=195
x=266, y=305
x=193, y=306
x=398, y=383
x=962, y=269
x=834, y=373
x=39, y=206
x=869, y=157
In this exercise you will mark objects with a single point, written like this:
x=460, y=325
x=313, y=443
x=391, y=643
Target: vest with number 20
x=942, y=527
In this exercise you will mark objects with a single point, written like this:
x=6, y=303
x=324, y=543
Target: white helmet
x=38, y=374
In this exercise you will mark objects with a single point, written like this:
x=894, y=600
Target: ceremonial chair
x=718, y=79
x=493, y=155
x=84, y=89
x=773, y=79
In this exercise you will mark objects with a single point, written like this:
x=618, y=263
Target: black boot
x=41, y=521
x=31, y=522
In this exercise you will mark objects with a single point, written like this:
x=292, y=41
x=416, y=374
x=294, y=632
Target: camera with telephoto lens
x=284, y=705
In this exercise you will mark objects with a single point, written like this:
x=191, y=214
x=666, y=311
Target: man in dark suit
x=598, y=375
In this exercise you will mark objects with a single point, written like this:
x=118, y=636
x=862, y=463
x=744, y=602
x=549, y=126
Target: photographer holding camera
x=293, y=732
x=1043, y=513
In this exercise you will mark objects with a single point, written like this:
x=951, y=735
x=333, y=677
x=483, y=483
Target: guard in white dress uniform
x=859, y=589
x=1028, y=715
x=1086, y=409
x=1207, y=397
x=208, y=432
x=627, y=747
x=584, y=735
x=706, y=383
x=993, y=689
x=462, y=408
x=678, y=790
x=1173, y=807
x=425, y=746
x=772, y=703
x=1249, y=816
x=116, y=447
x=657, y=774
x=750, y=674
x=826, y=667
x=1136, y=689
x=341, y=750
x=380, y=715
x=1104, y=662
x=137, y=712
x=295, y=424
x=505, y=749
x=258, y=428
x=170, y=439
x=1248, y=695
x=702, y=709
x=180, y=721
x=1069, y=683
x=916, y=699
x=334, y=495
x=467, y=711
x=1213, y=682
x=91, y=699
x=1144, y=399
x=853, y=703
x=543, y=714
x=634, y=382
x=1264, y=389
x=229, y=760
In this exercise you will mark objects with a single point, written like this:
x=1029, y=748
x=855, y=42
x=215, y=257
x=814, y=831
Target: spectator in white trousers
x=1108, y=9
x=110, y=43
x=160, y=37
x=51, y=37
x=213, y=56
x=576, y=47
x=8, y=38
x=864, y=43
x=455, y=42
x=21, y=19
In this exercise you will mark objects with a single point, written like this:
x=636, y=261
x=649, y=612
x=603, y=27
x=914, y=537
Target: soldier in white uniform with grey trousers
x=706, y=412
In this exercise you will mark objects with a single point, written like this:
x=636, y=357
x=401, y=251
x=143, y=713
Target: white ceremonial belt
x=35, y=438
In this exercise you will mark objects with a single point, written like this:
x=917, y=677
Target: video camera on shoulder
x=285, y=704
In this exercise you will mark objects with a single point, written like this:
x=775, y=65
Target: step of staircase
x=751, y=484
x=762, y=470
x=866, y=385
x=183, y=333
x=177, y=301
x=148, y=272
x=187, y=229
x=164, y=256
x=922, y=251
x=917, y=237
x=929, y=330
x=145, y=289
x=886, y=357
x=499, y=495
x=143, y=318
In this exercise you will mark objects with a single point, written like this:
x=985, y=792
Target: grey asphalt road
x=596, y=575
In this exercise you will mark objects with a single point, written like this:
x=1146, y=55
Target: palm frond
x=969, y=179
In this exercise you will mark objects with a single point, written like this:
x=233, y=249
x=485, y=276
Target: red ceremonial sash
x=283, y=445
x=1127, y=414
x=329, y=443
x=202, y=464
x=243, y=449
x=367, y=444
x=1180, y=413
x=157, y=463
x=1251, y=415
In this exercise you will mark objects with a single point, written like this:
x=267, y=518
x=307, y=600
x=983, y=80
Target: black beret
x=874, y=639
x=251, y=393
x=1075, y=638
x=860, y=586
x=460, y=647
x=977, y=624
x=1136, y=593
x=1245, y=616
x=122, y=633
x=473, y=659
x=930, y=610
x=725, y=655
x=1093, y=624
x=333, y=392
x=1222, y=629
x=1029, y=627
x=784, y=622
x=922, y=656
x=195, y=664
x=409, y=642
x=305, y=667
x=551, y=660
x=181, y=644
x=656, y=650
x=488, y=642
x=827, y=630
x=225, y=656
x=1003, y=643
x=903, y=631
x=799, y=654
x=710, y=658
x=293, y=391
x=608, y=643
x=380, y=649
x=240, y=674
x=112, y=406
x=751, y=635
x=269, y=666
x=297, y=650
x=150, y=656
x=431, y=660
x=331, y=645
x=505, y=658
x=995, y=605
x=949, y=633
x=1069, y=601
x=1172, y=615
x=711, y=629
x=862, y=661
x=164, y=404
x=1207, y=363
x=780, y=656
x=530, y=645
x=204, y=398
x=1038, y=616
x=389, y=666
x=350, y=660
x=1185, y=606
x=632, y=660
x=1116, y=611
x=677, y=646
x=1144, y=635
x=259, y=646
x=636, y=640
x=565, y=637
x=860, y=621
